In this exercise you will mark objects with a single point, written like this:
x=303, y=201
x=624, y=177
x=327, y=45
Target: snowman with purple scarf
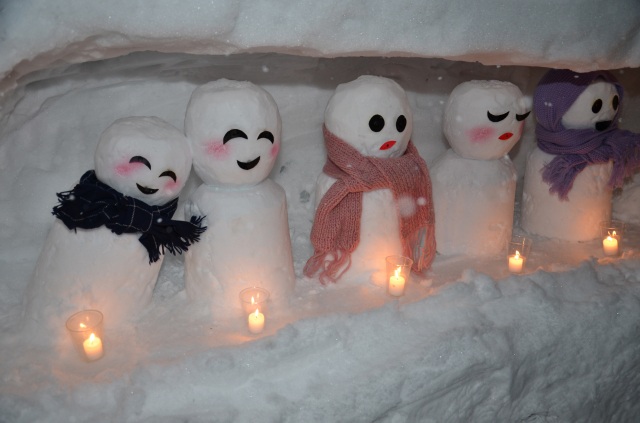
x=581, y=155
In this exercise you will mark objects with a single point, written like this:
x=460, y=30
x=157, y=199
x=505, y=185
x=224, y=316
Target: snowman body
x=81, y=269
x=474, y=183
x=234, y=129
x=379, y=234
x=576, y=218
x=373, y=115
x=90, y=269
x=246, y=244
x=474, y=204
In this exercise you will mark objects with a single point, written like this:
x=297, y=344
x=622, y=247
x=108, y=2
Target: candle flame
x=257, y=312
x=397, y=274
x=92, y=338
x=517, y=254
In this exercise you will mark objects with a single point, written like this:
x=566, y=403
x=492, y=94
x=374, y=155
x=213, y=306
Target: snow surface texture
x=467, y=343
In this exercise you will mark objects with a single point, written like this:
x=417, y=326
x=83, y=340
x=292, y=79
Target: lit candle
x=516, y=262
x=93, y=347
x=396, y=284
x=610, y=245
x=256, y=322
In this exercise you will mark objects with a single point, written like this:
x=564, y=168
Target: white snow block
x=90, y=269
x=578, y=218
x=246, y=244
x=474, y=204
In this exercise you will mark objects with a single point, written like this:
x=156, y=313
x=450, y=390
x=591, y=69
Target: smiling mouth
x=248, y=165
x=145, y=190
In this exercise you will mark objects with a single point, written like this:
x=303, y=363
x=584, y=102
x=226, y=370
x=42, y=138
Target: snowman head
x=568, y=100
x=372, y=114
x=595, y=108
x=144, y=158
x=234, y=130
x=484, y=119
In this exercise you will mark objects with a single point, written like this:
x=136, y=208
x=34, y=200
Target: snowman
x=581, y=155
x=234, y=129
x=106, y=246
x=474, y=182
x=373, y=198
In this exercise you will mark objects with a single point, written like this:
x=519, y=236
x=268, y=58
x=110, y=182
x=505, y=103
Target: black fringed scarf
x=92, y=204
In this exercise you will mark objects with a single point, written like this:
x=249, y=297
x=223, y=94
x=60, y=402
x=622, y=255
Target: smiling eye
x=615, y=102
x=140, y=159
x=522, y=117
x=597, y=106
x=268, y=135
x=170, y=173
x=376, y=123
x=234, y=133
x=496, y=118
x=401, y=123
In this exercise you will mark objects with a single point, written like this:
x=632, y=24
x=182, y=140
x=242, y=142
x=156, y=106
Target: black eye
x=140, y=159
x=615, y=102
x=401, y=123
x=266, y=134
x=496, y=118
x=522, y=117
x=597, y=105
x=234, y=133
x=170, y=173
x=376, y=123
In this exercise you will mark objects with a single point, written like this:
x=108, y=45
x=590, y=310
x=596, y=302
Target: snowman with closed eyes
x=105, y=249
x=474, y=182
x=234, y=130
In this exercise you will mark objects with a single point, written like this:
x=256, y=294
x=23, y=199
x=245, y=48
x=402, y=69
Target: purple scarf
x=576, y=148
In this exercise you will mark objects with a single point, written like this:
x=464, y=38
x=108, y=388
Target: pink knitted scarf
x=336, y=227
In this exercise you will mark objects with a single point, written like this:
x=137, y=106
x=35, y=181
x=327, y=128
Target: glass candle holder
x=86, y=329
x=398, y=273
x=612, y=232
x=254, y=303
x=517, y=252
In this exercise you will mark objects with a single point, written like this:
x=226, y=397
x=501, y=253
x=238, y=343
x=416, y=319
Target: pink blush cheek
x=171, y=186
x=275, y=149
x=126, y=168
x=481, y=134
x=217, y=150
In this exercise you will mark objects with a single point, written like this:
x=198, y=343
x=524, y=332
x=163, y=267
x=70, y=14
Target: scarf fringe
x=560, y=174
x=423, y=251
x=332, y=268
x=176, y=237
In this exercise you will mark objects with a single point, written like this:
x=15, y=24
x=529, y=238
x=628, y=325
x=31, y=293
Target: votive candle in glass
x=398, y=273
x=612, y=232
x=517, y=252
x=86, y=329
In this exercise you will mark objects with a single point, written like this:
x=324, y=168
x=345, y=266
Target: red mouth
x=505, y=136
x=387, y=145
